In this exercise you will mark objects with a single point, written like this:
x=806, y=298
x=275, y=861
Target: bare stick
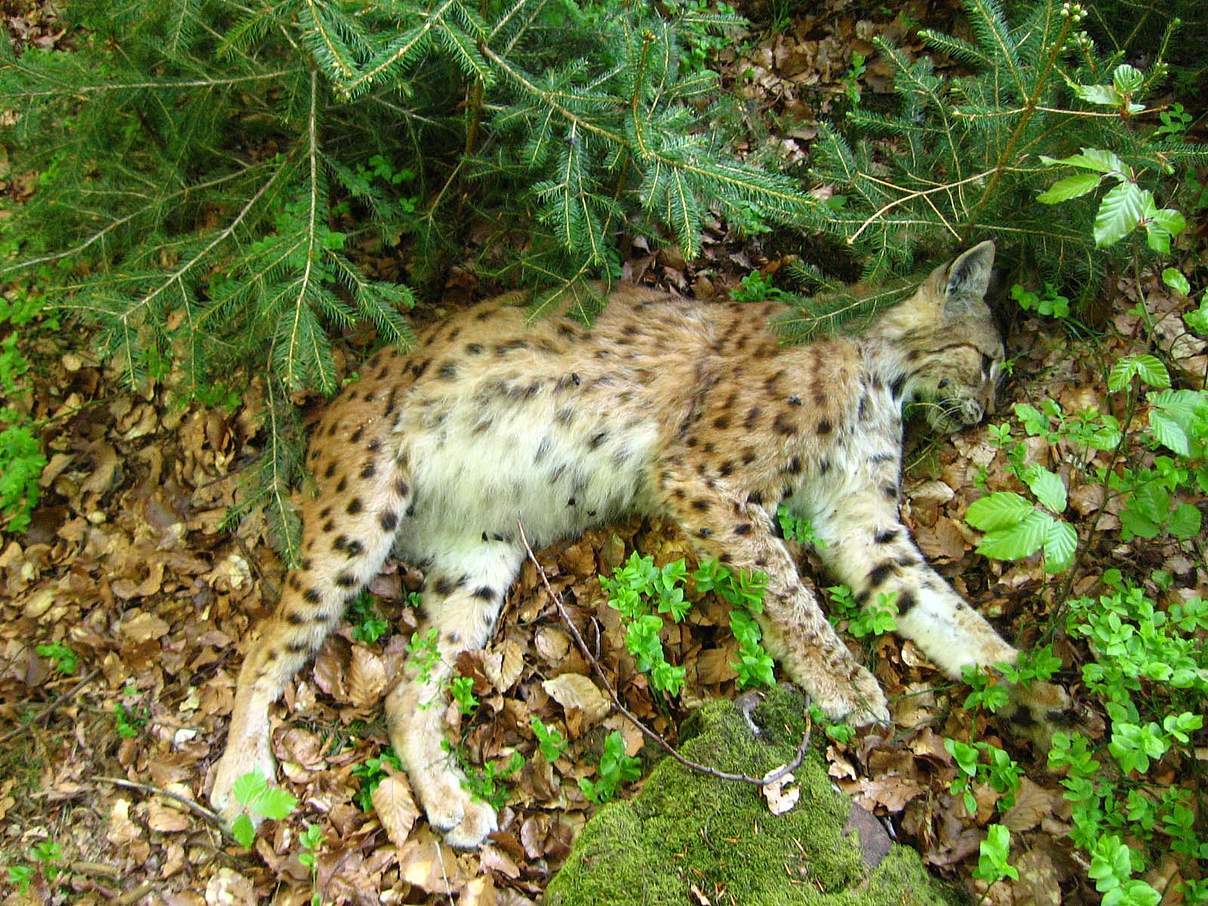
x=195, y=807
x=49, y=709
x=650, y=734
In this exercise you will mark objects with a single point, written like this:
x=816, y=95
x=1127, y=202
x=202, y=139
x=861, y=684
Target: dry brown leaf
x=782, y=794
x=366, y=677
x=143, y=626
x=552, y=643
x=503, y=664
x=1033, y=803
x=574, y=690
x=228, y=887
x=395, y=808
x=1038, y=883
x=479, y=892
x=429, y=865
x=166, y=819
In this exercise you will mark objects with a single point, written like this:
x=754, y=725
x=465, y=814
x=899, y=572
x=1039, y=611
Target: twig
x=650, y=734
x=46, y=712
x=195, y=807
x=135, y=894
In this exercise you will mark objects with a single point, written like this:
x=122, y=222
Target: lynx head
x=948, y=342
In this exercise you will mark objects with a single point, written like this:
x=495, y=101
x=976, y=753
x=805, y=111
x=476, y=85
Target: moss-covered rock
x=686, y=830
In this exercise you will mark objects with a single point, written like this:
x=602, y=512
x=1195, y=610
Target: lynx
x=665, y=406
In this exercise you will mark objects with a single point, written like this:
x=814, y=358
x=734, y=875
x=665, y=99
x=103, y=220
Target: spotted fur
x=665, y=405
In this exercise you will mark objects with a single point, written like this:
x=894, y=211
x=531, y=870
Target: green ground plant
x=258, y=799
x=641, y=592
x=615, y=768
x=311, y=841
x=370, y=773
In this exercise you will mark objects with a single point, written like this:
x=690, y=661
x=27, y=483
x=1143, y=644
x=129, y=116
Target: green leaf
x=243, y=831
x=248, y=787
x=1161, y=226
x=1151, y=370
x=1017, y=541
x=999, y=510
x=1106, y=95
x=1070, y=187
x=1145, y=366
x=1173, y=277
x=1119, y=213
x=1047, y=486
x=1060, y=542
x=1127, y=79
x=1090, y=159
x=1184, y=522
x=276, y=803
x=1169, y=432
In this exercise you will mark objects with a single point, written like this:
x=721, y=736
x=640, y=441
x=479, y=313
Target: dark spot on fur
x=294, y=618
x=896, y=387
x=794, y=400
x=312, y=595
x=906, y=601
x=794, y=466
x=354, y=506
x=297, y=647
x=890, y=491
x=783, y=425
x=885, y=536
x=401, y=488
x=419, y=368
x=330, y=471
x=367, y=471
x=700, y=504
x=705, y=533
x=726, y=469
x=342, y=485
x=879, y=573
x=443, y=586
x=485, y=593
x=328, y=527
x=388, y=520
x=346, y=580
x=752, y=416
x=596, y=440
x=355, y=549
x=756, y=498
x=743, y=528
x=825, y=426
x=721, y=422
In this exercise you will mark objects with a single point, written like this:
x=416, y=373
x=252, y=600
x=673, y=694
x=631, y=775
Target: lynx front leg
x=720, y=524
x=869, y=549
x=462, y=599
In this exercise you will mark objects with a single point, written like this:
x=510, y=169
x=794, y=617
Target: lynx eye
x=986, y=363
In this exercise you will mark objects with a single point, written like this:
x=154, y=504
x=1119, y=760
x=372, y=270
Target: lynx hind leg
x=347, y=531
x=463, y=596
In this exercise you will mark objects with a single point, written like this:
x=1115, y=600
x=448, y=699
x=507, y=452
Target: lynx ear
x=968, y=278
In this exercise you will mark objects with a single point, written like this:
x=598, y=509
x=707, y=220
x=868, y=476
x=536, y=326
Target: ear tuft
x=969, y=277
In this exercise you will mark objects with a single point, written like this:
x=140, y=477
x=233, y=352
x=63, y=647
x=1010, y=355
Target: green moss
x=685, y=829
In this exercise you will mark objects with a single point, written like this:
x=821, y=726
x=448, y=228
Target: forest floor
x=129, y=565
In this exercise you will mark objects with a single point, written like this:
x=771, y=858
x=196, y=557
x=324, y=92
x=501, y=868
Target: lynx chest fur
x=666, y=405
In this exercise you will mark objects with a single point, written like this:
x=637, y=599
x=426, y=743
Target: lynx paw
x=860, y=701
x=240, y=757
x=465, y=821
x=1039, y=710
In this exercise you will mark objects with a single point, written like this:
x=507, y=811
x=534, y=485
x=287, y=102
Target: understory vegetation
x=214, y=210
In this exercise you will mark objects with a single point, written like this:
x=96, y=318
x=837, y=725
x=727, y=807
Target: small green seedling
x=371, y=772
x=64, y=659
x=312, y=842
x=615, y=768
x=992, y=864
x=367, y=625
x=462, y=690
x=550, y=740
x=259, y=799
x=487, y=784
